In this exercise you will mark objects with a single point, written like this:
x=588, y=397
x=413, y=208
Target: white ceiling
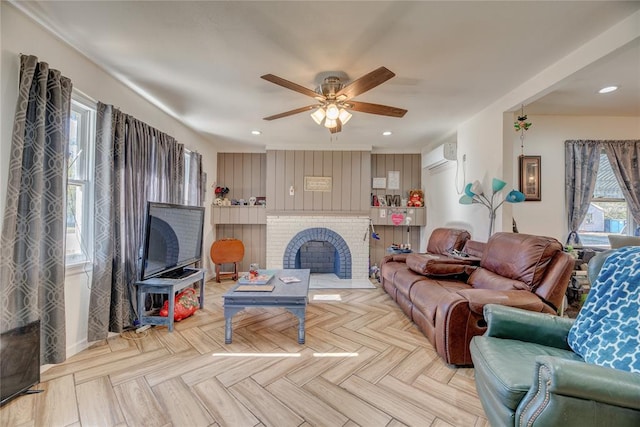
x=202, y=61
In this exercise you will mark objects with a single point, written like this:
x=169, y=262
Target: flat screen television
x=19, y=360
x=173, y=239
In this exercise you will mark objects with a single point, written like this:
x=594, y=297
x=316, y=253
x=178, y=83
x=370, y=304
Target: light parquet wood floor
x=364, y=364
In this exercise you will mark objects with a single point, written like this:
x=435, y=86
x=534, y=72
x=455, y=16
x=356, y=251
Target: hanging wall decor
x=530, y=177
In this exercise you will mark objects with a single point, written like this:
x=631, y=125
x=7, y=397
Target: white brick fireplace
x=282, y=229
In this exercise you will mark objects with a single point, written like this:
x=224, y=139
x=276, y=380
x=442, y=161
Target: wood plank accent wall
x=350, y=172
x=409, y=166
x=271, y=174
x=243, y=174
x=253, y=237
x=389, y=235
x=410, y=169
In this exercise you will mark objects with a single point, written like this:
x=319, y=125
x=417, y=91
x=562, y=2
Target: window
x=608, y=212
x=79, y=183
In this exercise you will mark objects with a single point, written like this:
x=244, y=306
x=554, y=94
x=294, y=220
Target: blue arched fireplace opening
x=341, y=260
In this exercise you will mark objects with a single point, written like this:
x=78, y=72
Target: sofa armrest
x=523, y=299
x=562, y=386
x=393, y=257
x=528, y=326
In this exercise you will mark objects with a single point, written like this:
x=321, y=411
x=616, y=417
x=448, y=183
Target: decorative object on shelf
x=473, y=193
x=397, y=218
x=382, y=201
x=408, y=220
x=521, y=125
x=416, y=199
x=374, y=235
x=530, y=170
x=252, y=201
x=379, y=183
x=393, y=181
x=221, y=192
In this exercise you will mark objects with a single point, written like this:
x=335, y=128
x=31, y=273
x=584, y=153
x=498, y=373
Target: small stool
x=227, y=251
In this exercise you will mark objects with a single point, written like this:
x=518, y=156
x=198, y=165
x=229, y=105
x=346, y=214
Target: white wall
x=487, y=139
x=546, y=138
x=21, y=35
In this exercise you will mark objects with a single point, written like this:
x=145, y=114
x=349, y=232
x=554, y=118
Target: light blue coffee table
x=292, y=296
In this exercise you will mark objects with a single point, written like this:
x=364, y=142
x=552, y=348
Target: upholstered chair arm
x=523, y=325
x=591, y=394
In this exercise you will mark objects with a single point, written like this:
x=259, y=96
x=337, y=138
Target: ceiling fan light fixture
x=344, y=116
x=318, y=115
x=332, y=112
x=330, y=123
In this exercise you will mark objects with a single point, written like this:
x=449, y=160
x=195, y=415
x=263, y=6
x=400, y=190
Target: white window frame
x=86, y=108
x=631, y=225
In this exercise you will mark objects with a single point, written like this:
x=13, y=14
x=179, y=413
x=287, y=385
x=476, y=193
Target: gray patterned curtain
x=136, y=164
x=32, y=253
x=108, y=304
x=196, y=181
x=624, y=157
x=582, y=159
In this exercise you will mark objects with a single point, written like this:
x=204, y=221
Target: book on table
x=263, y=277
x=290, y=279
x=254, y=288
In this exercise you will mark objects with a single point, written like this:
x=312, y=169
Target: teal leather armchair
x=527, y=375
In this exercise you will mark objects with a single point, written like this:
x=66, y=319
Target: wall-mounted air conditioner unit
x=440, y=155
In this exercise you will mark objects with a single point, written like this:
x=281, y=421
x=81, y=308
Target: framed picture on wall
x=393, y=180
x=530, y=178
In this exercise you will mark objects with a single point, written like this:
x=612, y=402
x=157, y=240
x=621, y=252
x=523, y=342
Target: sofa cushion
x=444, y=240
x=474, y=248
x=482, y=278
x=607, y=329
x=428, y=294
x=436, y=265
x=508, y=366
x=520, y=257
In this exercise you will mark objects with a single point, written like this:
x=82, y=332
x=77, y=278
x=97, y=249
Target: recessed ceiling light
x=608, y=89
x=387, y=133
x=256, y=132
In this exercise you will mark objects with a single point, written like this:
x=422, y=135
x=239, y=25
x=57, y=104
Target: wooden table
x=292, y=296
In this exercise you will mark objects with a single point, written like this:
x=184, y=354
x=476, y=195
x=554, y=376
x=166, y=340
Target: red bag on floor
x=186, y=304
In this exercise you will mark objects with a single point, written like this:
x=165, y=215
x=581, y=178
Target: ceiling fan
x=335, y=99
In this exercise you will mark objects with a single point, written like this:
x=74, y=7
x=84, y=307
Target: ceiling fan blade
x=382, y=110
x=291, y=113
x=337, y=128
x=366, y=82
x=290, y=85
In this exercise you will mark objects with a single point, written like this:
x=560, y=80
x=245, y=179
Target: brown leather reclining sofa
x=444, y=294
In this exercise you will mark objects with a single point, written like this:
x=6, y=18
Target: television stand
x=169, y=287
